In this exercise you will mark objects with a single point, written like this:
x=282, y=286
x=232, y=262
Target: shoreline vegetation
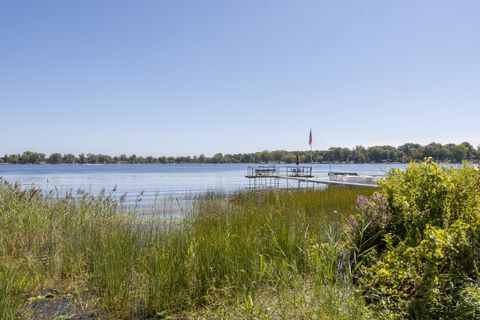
x=454, y=153
x=230, y=258
x=407, y=251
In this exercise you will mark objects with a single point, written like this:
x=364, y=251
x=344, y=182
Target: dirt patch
x=53, y=305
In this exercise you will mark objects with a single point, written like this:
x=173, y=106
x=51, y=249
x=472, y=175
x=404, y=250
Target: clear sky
x=189, y=77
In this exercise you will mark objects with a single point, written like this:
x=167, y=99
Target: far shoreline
x=217, y=163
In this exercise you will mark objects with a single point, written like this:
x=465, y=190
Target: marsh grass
x=274, y=254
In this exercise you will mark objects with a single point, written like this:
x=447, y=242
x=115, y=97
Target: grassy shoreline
x=234, y=257
x=409, y=250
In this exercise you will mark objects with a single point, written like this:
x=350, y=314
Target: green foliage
x=404, y=153
x=410, y=250
x=426, y=245
x=252, y=242
x=55, y=158
x=469, y=302
x=26, y=157
x=265, y=255
x=10, y=287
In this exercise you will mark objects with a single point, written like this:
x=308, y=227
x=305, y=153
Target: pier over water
x=269, y=176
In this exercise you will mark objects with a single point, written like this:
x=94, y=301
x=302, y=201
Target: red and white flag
x=310, y=140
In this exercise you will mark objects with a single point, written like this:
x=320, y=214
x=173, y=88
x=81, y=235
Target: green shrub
x=469, y=303
x=423, y=245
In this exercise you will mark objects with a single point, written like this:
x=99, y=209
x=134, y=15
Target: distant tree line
x=375, y=154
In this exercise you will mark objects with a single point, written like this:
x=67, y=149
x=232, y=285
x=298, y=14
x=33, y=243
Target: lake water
x=156, y=181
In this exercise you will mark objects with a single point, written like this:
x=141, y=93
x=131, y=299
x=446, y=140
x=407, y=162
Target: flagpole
x=310, y=142
x=311, y=154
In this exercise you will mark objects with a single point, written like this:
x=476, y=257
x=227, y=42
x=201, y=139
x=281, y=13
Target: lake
x=158, y=182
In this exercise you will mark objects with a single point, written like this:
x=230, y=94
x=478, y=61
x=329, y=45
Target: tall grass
x=269, y=254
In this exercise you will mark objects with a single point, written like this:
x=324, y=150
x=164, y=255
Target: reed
x=272, y=254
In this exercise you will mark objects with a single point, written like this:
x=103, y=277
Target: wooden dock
x=270, y=177
x=329, y=182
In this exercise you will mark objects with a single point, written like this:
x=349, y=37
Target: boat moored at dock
x=269, y=176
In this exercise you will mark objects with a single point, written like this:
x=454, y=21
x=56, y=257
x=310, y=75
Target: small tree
x=55, y=158
x=69, y=158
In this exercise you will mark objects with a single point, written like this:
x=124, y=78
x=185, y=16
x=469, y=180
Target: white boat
x=350, y=177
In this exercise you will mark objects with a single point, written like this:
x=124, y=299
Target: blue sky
x=190, y=77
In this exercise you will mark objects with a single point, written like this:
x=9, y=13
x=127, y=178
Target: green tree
x=132, y=158
x=217, y=158
x=31, y=157
x=459, y=153
x=69, y=158
x=92, y=158
x=470, y=150
x=82, y=159
x=150, y=159
x=411, y=151
x=55, y=158
x=359, y=154
x=105, y=159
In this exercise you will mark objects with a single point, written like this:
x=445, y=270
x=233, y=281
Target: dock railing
x=270, y=176
x=263, y=171
x=299, y=171
x=276, y=171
